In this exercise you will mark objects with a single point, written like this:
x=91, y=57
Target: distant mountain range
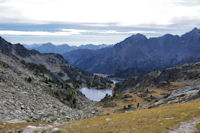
x=139, y=53
x=61, y=49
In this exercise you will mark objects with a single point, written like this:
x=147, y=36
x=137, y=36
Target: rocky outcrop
x=42, y=87
x=183, y=94
x=179, y=84
x=161, y=79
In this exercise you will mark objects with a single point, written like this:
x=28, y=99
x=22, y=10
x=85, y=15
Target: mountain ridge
x=137, y=51
x=43, y=87
x=61, y=49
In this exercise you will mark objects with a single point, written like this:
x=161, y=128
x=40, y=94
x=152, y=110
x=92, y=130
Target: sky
x=77, y=22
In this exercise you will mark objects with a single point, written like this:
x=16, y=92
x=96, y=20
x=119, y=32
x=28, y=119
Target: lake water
x=115, y=81
x=94, y=94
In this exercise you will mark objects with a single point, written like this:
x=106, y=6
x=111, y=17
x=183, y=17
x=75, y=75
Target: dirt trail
x=187, y=127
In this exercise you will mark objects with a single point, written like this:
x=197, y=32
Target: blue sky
x=77, y=22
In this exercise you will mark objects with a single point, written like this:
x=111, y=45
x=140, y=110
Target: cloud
x=187, y=2
x=66, y=32
x=99, y=24
x=100, y=20
x=105, y=31
x=124, y=32
x=99, y=13
x=38, y=33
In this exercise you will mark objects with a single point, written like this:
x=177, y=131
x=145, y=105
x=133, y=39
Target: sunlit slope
x=155, y=120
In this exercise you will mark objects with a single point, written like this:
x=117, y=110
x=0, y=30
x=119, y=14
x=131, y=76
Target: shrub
x=28, y=79
x=130, y=106
x=23, y=62
x=138, y=104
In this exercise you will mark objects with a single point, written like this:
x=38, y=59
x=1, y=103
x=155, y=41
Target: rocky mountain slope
x=162, y=79
x=172, y=85
x=42, y=87
x=61, y=49
x=142, y=103
x=140, y=54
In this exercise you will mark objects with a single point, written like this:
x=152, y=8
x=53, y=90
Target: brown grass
x=121, y=102
x=198, y=128
x=177, y=85
x=156, y=120
x=6, y=127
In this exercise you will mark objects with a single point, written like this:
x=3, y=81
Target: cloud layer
x=97, y=19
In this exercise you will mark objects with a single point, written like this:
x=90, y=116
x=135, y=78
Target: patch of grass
x=177, y=85
x=155, y=120
x=156, y=92
x=198, y=128
x=17, y=127
x=2, y=66
x=29, y=79
x=121, y=101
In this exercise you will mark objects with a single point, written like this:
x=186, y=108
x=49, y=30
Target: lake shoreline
x=95, y=94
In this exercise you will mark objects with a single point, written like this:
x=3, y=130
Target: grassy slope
x=158, y=93
x=120, y=101
x=154, y=120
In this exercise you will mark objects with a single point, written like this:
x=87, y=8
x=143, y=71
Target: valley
x=99, y=66
x=42, y=92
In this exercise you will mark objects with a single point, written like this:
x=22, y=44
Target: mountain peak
x=193, y=32
x=48, y=44
x=195, y=29
x=169, y=36
x=138, y=36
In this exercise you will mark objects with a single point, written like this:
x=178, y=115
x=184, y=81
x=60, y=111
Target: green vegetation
x=67, y=95
x=128, y=107
x=3, y=66
x=41, y=70
x=29, y=79
x=36, y=68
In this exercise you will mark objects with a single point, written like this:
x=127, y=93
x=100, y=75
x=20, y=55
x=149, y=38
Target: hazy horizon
x=94, y=22
x=57, y=44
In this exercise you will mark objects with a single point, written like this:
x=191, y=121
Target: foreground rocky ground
x=37, y=87
x=24, y=100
